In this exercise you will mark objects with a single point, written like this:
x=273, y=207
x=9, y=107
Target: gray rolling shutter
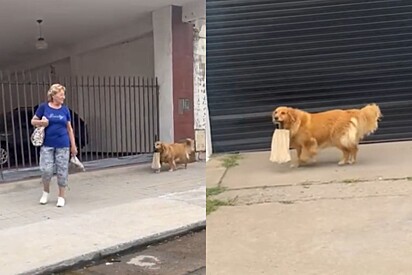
x=314, y=55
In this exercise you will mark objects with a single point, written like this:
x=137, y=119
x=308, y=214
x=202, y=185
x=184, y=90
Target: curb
x=99, y=254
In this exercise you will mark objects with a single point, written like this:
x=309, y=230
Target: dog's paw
x=342, y=162
x=294, y=165
x=313, y=160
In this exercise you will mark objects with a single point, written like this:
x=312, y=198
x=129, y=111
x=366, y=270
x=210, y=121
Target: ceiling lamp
x=41, y=44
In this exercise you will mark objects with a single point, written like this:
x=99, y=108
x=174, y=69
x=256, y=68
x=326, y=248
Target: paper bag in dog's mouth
x=156, y=161
x=280, y=146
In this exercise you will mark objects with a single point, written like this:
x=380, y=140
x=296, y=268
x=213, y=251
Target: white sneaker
x=60, y=202
x=44, y=198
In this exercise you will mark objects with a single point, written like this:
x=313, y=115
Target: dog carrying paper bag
x=280, y=146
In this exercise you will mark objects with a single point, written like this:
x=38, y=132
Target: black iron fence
x=112, y=116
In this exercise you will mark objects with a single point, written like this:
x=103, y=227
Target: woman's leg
x=46, y=168
x=62, y=165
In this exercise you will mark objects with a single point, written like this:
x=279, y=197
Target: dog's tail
x=362, y=123
x=368, y=119
x=189, y=146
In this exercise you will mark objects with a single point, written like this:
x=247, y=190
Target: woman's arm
x=73, y=148
x=37, y=122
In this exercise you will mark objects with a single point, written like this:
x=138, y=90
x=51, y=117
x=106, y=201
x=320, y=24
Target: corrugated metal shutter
x=314, y=55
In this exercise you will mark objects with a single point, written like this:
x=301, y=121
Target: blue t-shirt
x=56, y=134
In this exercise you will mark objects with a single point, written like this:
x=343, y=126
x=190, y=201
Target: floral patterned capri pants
x=51, y=158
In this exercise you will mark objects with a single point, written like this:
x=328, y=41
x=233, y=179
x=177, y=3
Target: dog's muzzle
x=278, y=124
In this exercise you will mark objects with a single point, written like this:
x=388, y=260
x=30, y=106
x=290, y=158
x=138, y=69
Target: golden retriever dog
x=343, y=129
x=174, y=152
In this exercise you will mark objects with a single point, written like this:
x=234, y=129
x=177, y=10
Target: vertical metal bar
x=27, y=119
x=135, y=116
x=152, y=106
x=111, y=128
x=114, y=118
x=131, y=127
x=65, y=81
x=116, y=107
x=153, y=116
x=149, y=117
x=94, y=120
x=80, y=133
x=91, y=132
x=139, y=91
x=71, y=107
x=86, y=133
x=147, y=104
x=13, y=126
x=121, y=115
x=126, y=124
x=114, y=137
x=5, y=120
x=89, y=108
x=157, y=110
x=100, y=121
x=20, y=129
x=49, y=78
x=107, y=115
x=70, y=103
x=32, y=112
x=149, y=126
x=39, y=100
x=145, y=131
x=123, y=122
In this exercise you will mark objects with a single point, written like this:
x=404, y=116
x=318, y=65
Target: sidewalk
x=106, y=211
x=320, y=219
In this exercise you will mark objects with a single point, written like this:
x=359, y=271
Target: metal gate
x=111, y=116
x=314, y=55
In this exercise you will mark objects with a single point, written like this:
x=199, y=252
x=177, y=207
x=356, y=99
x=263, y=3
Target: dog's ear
x=292, y=114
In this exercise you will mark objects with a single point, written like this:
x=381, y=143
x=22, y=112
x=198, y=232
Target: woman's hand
x=73, y=150
x=40, y=122
x=44, y=122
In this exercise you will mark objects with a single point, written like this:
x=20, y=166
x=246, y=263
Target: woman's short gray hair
x=53, y=90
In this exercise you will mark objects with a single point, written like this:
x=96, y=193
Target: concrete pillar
x=173, y=54
x=162, y=35
x=200, y=97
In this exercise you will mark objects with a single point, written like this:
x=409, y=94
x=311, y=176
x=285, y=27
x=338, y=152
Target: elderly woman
x=58, y=142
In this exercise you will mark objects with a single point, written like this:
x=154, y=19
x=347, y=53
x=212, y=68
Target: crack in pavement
x=317, y=183
x=320, y=199
x=319, y=191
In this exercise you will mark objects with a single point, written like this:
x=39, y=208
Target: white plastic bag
x=76, y=162
x=37, y=137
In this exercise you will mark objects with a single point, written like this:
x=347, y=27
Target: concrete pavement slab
x=107, y=211
x=384, y=160
x=329, y=236
x=319, y=219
